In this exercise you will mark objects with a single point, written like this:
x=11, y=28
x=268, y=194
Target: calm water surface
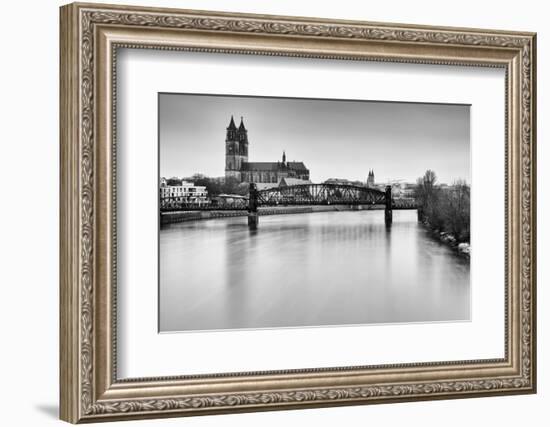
x=330, y=268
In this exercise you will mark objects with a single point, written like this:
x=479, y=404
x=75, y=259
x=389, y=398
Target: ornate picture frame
x=90, y=37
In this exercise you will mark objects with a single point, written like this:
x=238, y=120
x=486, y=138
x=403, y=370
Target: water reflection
x=330, y=268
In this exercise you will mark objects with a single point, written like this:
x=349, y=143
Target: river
x=327, y=268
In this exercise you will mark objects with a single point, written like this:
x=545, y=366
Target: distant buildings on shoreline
x=183, y=191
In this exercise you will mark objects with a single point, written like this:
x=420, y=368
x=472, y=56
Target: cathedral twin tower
x=236, y=148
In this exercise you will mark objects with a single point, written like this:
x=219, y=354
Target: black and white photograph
x=290, y=212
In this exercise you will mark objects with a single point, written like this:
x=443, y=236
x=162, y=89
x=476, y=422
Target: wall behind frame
x=29, y=175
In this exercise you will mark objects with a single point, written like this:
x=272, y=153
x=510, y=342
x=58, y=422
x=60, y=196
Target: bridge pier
x=388, y=213
x=388, y=217
x=253, y=218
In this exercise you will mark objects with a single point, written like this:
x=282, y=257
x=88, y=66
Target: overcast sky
x=335, y=139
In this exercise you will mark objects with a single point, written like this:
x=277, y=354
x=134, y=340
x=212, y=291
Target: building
x=237, y=165
x=288, y=182
x=186, y=192
x=370, y=179
x=402, y=190
x=344, y=181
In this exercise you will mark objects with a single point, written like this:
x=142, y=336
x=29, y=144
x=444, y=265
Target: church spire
x=242, y=135
x=231, y=131
x=241, y=126
x=284, y=157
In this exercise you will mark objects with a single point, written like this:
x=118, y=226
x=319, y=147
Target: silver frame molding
x=90, y=37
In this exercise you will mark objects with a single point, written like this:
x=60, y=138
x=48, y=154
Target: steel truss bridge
x=319, y=194
x=295, y=195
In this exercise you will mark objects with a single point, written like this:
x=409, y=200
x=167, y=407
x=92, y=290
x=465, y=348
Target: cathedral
x=237, y=164
x=370, y=179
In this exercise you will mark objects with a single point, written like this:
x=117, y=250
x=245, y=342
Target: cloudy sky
x=335, y=139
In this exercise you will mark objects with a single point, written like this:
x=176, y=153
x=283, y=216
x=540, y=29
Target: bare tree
x=430, y=179
x=444, y=210
x=457, y=210
x=426, y=195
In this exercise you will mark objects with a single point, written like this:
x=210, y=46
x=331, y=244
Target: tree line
x=444, y=209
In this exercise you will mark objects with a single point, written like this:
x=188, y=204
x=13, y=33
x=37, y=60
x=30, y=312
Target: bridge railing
x=404, y=203
x=174, y=203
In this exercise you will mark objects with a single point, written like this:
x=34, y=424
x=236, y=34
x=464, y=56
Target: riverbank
x=175, y=217
x=462, y=249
